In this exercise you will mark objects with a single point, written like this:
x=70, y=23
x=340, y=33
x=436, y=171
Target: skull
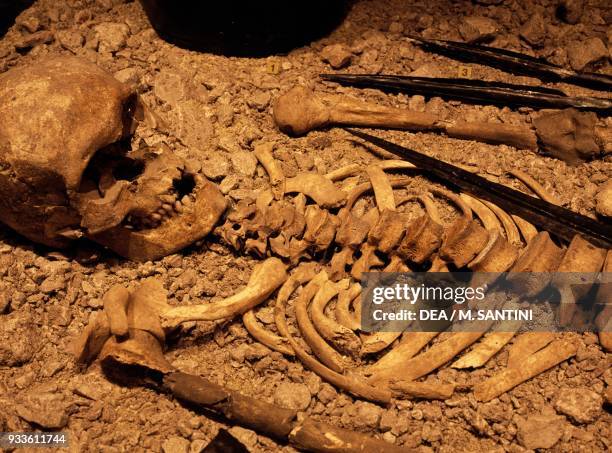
x=65, y=168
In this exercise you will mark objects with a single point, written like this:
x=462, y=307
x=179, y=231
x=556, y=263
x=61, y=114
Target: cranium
x=65, y=168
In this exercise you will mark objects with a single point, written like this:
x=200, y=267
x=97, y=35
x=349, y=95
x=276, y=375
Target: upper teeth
x=169, y=206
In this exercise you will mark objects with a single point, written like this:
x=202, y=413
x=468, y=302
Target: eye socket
x=128, y=169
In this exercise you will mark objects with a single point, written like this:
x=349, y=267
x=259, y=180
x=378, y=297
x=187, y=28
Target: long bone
x=267, y=276
x=300, y=110
x=139, y=359
x=556, y=352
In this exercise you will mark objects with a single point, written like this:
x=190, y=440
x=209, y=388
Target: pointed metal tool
x=515, y=62
x=474, y=91
x=550, y=217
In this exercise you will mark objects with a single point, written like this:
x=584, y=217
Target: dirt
x=213, y=109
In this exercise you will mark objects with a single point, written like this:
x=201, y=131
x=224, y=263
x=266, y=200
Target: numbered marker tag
x=464, y=72
x=273, y=67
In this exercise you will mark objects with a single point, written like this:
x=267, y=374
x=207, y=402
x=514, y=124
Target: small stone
x=30, y=23
x=327, y=393
x=246, y=436
x=244, y=162
x=292, y=396
x=389, y=437
x=259, y=100
x=581, y=404
x=46, y=410
x=112, y=36
x=368, y=414
x=216, y=166
x=534, y=30
x=170, y=87
x=570, y=10
x=35, y=39
x=19, y=338
x=603, y=199
x=70, y=39
x=583, y=53
x=475, y=29
x=229, y=183
x=396, y=27
x=337, y=55
x=127, y=75
x=608, y=394
x=175, y=444
x=539, y=431
x=52, y=284
x=417, y=103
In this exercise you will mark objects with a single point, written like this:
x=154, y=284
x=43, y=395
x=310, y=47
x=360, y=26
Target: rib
x=556, y=219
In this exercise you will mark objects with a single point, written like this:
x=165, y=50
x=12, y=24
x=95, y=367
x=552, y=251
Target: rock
x=583, y=53
x=52, y=284
x=216, y=166
x=534, y=30
x=112, y=36
x=603, y=199
x=326, y=393
x=580, y=404
x=396, y=28
x=70, y=39
x=539, y=431
x=170, y=87
x=4, y=300
x=175, y=444
x=46, y=410
x=417, y=103
x=246, y=436
x=244, y=162
x=19, y=339
x=570, y=10
x=368, y=414
x=608, y=394
x=35, y=39
x=568, y=135
x=292, y=396
x=259, y=100
x=30, y=23
x=337, y=55
x=228, y=184
x=127, y=75
x=478, y=29
x=193, y=128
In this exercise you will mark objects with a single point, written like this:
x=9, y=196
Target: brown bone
x=300, y=110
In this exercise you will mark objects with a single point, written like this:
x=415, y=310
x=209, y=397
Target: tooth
x=161, y=211
x=186, y=200
x=167, y=207
x=155, y=216
x=178, y=206
x=167, y=198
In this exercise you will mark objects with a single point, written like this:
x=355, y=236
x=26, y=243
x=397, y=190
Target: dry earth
x=214, y=109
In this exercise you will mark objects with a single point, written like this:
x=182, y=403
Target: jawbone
x=194, y=223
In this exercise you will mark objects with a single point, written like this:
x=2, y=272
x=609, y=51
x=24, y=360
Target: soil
x=213, y=109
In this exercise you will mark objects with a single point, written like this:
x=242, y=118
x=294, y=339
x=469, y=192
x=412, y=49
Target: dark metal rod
x=516, y=62
x=474, y=91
